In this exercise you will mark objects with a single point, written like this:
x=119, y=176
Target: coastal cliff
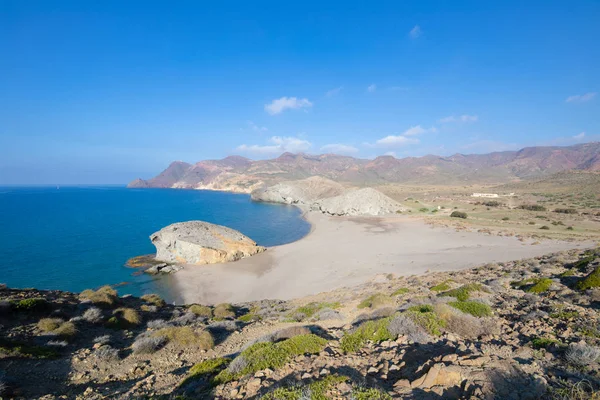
x=198, y=242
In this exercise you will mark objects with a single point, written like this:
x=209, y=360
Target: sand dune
x=345, y=251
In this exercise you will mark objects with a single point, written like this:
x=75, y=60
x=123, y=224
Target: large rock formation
x=305, y=191
x=198, y=242
x=367, y=201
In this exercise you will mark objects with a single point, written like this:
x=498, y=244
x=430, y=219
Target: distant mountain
x=240, y=174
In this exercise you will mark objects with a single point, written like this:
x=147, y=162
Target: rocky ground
x=525, y=329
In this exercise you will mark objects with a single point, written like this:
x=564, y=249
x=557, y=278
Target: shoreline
x=347, y=251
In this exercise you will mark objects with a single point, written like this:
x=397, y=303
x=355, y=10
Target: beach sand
x=345, y=251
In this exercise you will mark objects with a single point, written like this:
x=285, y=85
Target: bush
x=402, y=325
x=153, y=299
x=290, y=332
x=124, y=318
x=492, y=203
x=35, y=304
x=309, y=310
x=582, y=355
x=206, y=369
x=532, y=207
x=464, y=292
x=12, y=348
x=148, y=344
x=456, y=321
x=542, y=343
x=474, y=308
x=362, y=393
x=201, y=311
x=505, y=218
x=103, y=297
x=375, y=300
x=400, y=291
x=66, y=330
x=566, y=211
x=104, y=339
x=375, y=330
x=534, y=285
x=440, y=287
x=590, y=281
x=107, y=353
x=93, y=315
x=426, y=318
x=326, y=314
x=459, y=214
x=224, y=310
x=186, y=336
x=49, y=324
x=545, y=227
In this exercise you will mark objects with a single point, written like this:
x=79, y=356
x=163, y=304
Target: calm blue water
x=74, y=238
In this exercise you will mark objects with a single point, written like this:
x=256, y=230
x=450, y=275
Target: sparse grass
x=187, y=336
x=66, y=330
x=223, y=311
x=400, y=291
x=10, y=348
x=590, y=281
x=35, y=304
x=264, y=355
x=49, y=324
x=375, y=301
x=362, y=393
x=206, y=370
x=201, y=311
x=317, y=390
x=153, y=299
x=533, y=285
x=582, y=390
x=310, y=309
x=103, y=297
x=107, y=353
x=425, y=317
x=543, y=343
x=564, y=315
x=464, y=292
x=459, y=214
x=441, y=286
x=375, y=330
x=582, y=355
x=474, y=308
x=249, y=317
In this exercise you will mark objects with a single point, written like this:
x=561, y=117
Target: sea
x=78, y=237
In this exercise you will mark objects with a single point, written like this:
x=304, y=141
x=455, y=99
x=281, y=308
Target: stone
x=198, y=242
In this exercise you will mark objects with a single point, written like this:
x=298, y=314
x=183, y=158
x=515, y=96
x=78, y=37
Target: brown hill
x=236, y=173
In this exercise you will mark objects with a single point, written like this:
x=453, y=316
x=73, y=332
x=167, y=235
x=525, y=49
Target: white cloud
x=338, y=148
x=460, y=118
x=276, y=145
x=390, y=153
x=395, y=141
x=256, y=128
x=334, y=92
x=488, y=146
x=277, y=106
x=415, y=32
x=581, y=98
x=371, y=88
x=579, y=136
x=418, y=130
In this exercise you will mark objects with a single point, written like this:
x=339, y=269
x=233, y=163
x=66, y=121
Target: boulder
x=198, y=242
x=366, y=201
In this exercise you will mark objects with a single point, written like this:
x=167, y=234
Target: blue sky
x=107, y=91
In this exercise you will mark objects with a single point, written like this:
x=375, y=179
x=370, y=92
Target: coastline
x=347, y=251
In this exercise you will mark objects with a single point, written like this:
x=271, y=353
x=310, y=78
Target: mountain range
x=240, y=174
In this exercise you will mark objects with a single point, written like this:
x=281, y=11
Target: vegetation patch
x=374, y=330
x=187, y=336
x=363, y=393
x=311, y=309
x=464, y=292
x=441, y=286
x=317, y=390
x=223, y=311
x=566, y=211
x=49, y=324
x=153, y=299
x=265, y=355
x=10, y=348
x=533, y=285
x=375, y=301
x=426, y=318
x=532, y=207
x=400, y=291
x=590, y=281
x=35, y=304
x=103, y=297
x=474, y=308
x=124, y=318
x=201, y=311
x=206, y=370
x=459, y=214
x=66, y=330
x=542, y=343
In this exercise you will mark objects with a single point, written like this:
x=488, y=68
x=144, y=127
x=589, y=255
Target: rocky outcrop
x=198, y=242
x=367, y=201
x=304, y=192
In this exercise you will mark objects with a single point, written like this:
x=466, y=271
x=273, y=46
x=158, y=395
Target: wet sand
x=344, y=251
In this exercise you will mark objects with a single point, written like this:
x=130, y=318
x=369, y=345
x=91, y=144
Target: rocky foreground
x=526, y=329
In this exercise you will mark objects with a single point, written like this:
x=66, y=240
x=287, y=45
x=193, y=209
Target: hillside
x=524, y=329
x=240, y=174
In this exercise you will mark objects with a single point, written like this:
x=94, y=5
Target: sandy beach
x=345, y=251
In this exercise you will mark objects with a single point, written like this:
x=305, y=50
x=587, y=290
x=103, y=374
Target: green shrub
x=362, y=393
x=505, y=219
x=532, y=207
x=426, y=319
x=459, y=214
x=317, y=389
x=545, y=227
x=310, y=309
x=400, y=291
x=49, y=324
x=474, y=308
x=35, y=304
x=590, y=281
x=441, y=286
x=250, y=317
x=492, y=203
x=187, y=336
x=424, y=209
x=566, y=211
x=153, y=299
x=201, y=311
x=10, y=348
x=265, y=355
x=533, y=285
x=375, y=301
x=374, y=330
x=223, y=311
x=206, y=369
x=542, y=343
x=464, y=292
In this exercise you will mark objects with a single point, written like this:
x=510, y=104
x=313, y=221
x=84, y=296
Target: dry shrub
x=93, y=315
x=201, y=311
x=66, y=330
x=148, y=344
x=582, y=355
x=127, y=316
x=107, y=353
x=49, y=324
x=187, y=336
x=462, y=324
x=402, y=325
x=224, y=310
x=103, y=297
x=290, y=332
x=153, y=299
